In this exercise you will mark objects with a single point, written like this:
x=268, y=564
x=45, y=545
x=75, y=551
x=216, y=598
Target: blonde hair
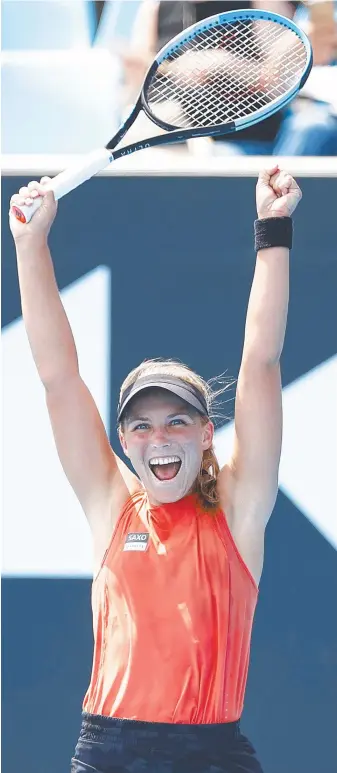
x=206, y=483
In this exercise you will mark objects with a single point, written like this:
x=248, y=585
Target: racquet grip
x=24, y=213
x=66, y=181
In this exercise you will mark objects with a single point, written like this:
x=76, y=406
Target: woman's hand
x=40, y=224
x=277, y=193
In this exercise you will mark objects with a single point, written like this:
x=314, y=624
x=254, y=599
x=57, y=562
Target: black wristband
x=273, y=232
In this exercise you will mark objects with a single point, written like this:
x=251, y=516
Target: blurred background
x=72, y=69
x=179, y=223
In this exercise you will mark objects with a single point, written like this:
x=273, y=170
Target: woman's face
x=164, y=439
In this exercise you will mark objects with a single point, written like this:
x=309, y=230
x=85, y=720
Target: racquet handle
x=66, y=181
x=24, y=213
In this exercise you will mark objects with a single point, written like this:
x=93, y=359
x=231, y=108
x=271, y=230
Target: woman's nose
x=159, y=436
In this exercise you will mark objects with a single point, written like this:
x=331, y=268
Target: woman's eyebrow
x=169, y=416
x=179, y=413
x=137, y=418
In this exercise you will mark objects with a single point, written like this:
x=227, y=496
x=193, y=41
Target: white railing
x=176, y=162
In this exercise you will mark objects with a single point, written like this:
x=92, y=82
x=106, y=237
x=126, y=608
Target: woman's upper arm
x=100, y=480
x=253, y=468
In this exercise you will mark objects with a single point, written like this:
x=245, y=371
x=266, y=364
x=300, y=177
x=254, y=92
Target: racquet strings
x=226, y=73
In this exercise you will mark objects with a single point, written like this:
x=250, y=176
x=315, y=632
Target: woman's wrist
x=273, y=232
x=31, y=242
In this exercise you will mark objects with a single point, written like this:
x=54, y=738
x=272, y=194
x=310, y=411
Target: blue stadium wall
x=181, y=260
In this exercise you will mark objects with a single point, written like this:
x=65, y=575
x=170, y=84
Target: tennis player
x=178, y=544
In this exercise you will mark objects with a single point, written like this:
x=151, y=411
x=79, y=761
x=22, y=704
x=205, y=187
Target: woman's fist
x=40, y=224
x=277, y=194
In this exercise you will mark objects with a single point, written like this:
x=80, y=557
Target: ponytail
x=206, y=483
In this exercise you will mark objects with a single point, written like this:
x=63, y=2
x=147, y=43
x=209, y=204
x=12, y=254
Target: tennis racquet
x=219, y=76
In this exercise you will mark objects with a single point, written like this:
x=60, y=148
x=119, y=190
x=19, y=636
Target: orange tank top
x=173, y=608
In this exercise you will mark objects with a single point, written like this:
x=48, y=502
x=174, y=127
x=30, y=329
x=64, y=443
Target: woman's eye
x=177, y=421
x=141, y=427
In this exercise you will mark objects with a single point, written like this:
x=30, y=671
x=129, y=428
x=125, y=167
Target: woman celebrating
x=178, y=546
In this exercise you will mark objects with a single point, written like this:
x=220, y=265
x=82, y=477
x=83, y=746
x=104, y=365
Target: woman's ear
x=208, y=435
x=123, y=442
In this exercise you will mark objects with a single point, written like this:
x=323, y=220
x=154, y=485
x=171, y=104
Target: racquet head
x=221, y=75
x=231, y=69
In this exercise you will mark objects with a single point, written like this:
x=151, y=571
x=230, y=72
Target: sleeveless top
x=173, y=607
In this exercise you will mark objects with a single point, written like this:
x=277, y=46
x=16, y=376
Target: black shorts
x=110, y=745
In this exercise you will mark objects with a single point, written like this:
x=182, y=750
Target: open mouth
x=165, y=468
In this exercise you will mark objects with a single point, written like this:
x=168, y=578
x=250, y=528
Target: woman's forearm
x=48, y=330
x=268, y=306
